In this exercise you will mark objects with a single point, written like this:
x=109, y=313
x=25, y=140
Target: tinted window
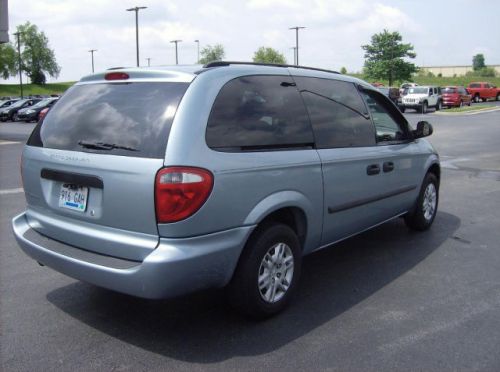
x=387, y=127
x=475, y=85
x=258, y=112
x=134, y=115
x=338, y=114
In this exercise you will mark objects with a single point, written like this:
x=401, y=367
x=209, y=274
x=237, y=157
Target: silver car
x=159, y=182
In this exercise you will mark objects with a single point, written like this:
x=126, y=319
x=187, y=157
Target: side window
x=387, y=127
x=258, y=112
x=338, y=115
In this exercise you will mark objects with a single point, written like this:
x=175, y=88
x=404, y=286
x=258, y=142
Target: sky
x=442, y=32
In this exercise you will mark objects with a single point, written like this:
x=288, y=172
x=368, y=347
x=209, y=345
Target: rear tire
x=438, y=106
x=498, y=97
x=402, y=109
x=461, y=104
x=423, y=214
x=267, y=273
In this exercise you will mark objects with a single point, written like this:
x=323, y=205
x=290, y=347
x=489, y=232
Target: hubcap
x=429, y=203
x=275, y=273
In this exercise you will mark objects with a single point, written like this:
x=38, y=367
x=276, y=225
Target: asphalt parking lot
x=388, y=299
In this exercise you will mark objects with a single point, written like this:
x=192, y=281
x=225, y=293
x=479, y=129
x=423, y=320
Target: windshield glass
x=417, y=90
x=18, y=103
x=449, y=90
x=42, y=103
x=118, y=115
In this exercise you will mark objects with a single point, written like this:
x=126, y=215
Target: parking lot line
x=8, y=142
x=11, y=191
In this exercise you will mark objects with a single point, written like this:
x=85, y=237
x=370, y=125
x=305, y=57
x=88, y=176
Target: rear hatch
x=89, y=168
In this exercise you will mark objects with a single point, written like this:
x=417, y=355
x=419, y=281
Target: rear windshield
x=449, y=90
x=128, y=119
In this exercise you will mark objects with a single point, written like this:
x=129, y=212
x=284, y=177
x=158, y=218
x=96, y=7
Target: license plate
x=73, y=197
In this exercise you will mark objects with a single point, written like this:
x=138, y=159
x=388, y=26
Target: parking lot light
x=136, y=10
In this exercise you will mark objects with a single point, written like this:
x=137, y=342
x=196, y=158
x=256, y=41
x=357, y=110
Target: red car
x=456, y=96
x=483, y=91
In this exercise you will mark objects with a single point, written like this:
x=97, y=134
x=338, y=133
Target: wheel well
x=436, y=170
x=291, y=216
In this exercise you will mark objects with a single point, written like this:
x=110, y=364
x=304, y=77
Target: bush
x=484, y=72
x=343, y=70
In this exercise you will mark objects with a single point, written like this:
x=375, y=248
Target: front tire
x=267, y=273
x=402, y=109
x=425, y=210
x=424, y=107
x=439, y=106
x=476, y=98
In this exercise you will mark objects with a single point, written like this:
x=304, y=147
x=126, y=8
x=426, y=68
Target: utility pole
x=91, y=51
x=198, y=42
x=149, y=61
x=18, y=35
x=136, y=10
x=296, y=28
x=176, y=56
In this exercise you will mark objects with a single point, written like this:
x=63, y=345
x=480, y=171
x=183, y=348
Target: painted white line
x=11, y=191
x=9, y=143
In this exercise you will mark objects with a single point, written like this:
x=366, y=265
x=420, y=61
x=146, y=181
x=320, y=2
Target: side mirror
x=424, y=129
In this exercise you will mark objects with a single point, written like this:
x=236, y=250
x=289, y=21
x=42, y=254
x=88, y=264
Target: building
x=4, y=21
x=450, y=71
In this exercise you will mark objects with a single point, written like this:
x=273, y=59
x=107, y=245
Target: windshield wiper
x=104, y=146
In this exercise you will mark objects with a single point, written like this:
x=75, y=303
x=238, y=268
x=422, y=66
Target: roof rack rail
x=115, y=68
x=228, y=63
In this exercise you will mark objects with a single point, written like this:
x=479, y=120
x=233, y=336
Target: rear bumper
x=175, y=267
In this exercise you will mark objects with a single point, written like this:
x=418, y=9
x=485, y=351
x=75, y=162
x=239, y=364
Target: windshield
x=384, y=90
x=42, y=103
x=449, y=90
x=417, y=90
x=112, y=118
x=18, y=103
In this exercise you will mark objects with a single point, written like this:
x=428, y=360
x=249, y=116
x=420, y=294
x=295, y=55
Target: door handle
x=388, y=166
x=372, y=169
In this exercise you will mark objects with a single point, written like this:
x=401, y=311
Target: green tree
x=478, y=62
x=343, y=70
x=269, y=55
x=385, y=57
x=37, y=59
x=212, y=53
x=7, y=60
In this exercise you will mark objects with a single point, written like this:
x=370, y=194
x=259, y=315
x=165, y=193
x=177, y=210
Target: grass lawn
x=29, y=89
x=467, y=109
x=438, y=81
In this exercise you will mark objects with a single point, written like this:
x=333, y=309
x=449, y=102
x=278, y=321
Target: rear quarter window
x=258, y=113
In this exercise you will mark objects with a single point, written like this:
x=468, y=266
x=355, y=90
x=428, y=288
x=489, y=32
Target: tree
x=384, y=57
x=478, y=62
x=269, y=55
x=7, y=60
x=212, y=53
x=37, y=59
x=343, y=70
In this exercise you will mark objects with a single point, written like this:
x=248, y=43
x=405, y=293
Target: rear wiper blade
x=104, y=146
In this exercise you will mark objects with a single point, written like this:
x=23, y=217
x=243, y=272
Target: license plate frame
x=73, y=197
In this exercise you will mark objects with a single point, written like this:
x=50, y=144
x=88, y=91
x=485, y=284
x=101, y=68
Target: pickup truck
x=483, y=91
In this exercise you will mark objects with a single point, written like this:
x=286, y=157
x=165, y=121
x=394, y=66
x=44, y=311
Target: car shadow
x=201, y=328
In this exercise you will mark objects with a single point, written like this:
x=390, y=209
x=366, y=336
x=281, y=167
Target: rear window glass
x=258, y=113
x=128, y=119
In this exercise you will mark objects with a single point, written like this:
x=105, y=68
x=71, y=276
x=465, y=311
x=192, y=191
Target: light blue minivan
x=157, y=182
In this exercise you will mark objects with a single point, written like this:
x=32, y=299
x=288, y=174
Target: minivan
x=158, y=182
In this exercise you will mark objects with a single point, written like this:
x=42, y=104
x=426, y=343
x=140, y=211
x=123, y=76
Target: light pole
x=296, y=28
x=18, y=35
x=198, y=42
x=136, y=10
x=149, y=61
x=294, y=55
x=176, y=56
x=91, y=51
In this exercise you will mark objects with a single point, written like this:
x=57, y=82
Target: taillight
x=180, y=192
x=116, y=76
x=42, y=114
